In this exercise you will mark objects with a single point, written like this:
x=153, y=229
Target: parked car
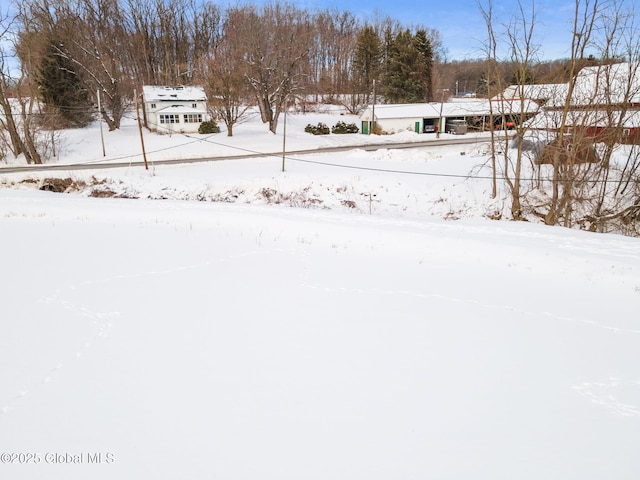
x=506, y=126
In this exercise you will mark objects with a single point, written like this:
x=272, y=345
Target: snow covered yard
x=246, y=340
x=201, y=340
x=413, y=182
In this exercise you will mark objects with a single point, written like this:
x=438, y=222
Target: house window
x=170, y=118
x=626, y=132
x=153, y=105
x=194, y=105
x=193, y=118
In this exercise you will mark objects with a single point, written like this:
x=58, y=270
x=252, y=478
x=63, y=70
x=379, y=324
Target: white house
x=177, y=109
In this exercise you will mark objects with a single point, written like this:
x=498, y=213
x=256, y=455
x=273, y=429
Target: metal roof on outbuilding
x=460, y=108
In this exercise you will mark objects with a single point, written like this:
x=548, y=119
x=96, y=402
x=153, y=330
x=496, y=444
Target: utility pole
x=442, y=90
x=284, y=133
x=144, y=153
x=373, y=108
x=104, y=152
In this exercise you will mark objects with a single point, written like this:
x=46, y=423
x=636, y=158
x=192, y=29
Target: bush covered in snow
x=342, y=127
x=209, y=126
x=319, y=129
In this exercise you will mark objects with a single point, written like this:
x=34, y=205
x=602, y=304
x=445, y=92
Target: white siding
x=175, y=109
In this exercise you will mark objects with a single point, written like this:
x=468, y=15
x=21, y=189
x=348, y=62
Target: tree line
x=71, y=52
x=80, y=58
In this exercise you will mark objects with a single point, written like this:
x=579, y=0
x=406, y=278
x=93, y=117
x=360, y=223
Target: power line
x=386, y=170
x=337, y=165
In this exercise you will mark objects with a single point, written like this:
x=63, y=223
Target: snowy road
x=108, y=164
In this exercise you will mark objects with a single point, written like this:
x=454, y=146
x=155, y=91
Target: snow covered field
x=366, y=334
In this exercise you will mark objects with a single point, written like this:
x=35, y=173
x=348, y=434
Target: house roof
x=614, y=84
x=540, y=91
x=153, y=93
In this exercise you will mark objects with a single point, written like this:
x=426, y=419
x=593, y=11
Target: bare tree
x=223, y=74
x=334, y=33
x=142, y=24
x=276, y=42
x=168, y=38
x=90, y=35
x=620, y=90
x=586, y=175
x=585, y=15
x=520, y=33
x=589, y=171
x=7, y=121
x=491, y=60
x=520, y=48
x=18, y=119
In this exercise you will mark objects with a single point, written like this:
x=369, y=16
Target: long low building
x=444, y=116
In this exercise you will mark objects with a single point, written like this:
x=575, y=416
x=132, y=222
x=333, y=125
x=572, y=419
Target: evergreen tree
x=523, y=75
x=61, y=90
x=367, y=60
x=424, y=65
x=408, y=68
x=485, y=88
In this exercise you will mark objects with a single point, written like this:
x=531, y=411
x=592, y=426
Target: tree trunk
x=109, y=121
x=31, y=149
x=273, y=123
x=17, y=145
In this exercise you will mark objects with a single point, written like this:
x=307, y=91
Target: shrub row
x=320, y=129
x=338, y=128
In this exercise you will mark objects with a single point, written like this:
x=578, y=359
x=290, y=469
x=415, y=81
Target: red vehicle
x=507, y=126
